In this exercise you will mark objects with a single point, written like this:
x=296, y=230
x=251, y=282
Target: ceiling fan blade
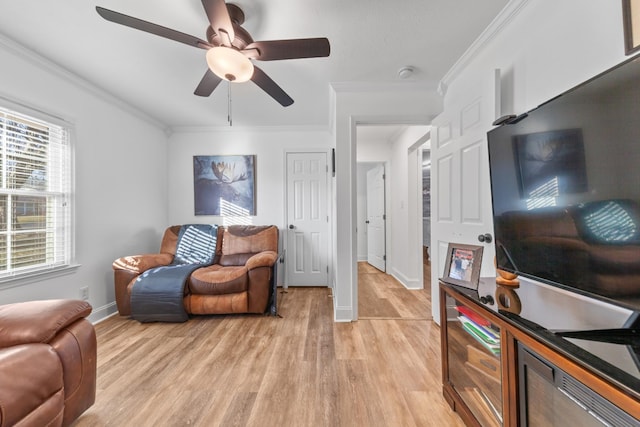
x=219, y=18
x=149, y=27
x=261, y=79
x=274, y=50
x=208, y=84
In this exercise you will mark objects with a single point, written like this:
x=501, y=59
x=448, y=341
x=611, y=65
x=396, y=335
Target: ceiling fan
x=230, y=48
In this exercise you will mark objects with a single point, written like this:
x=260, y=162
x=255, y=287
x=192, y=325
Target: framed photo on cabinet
x=462, y=265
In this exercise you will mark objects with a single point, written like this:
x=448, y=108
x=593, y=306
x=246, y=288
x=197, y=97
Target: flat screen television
x=565, y=180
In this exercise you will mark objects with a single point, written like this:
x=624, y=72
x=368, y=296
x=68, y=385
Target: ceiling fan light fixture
x=229, y=64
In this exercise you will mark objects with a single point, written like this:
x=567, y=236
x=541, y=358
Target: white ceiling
x=370, y=41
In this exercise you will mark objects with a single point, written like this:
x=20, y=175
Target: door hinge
x=384, y=216
x=327, y=269
x=384, y=176
x=384, y=257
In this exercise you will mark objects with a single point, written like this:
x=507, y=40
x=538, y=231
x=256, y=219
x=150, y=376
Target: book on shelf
x=478, y=320
x=487, y=338
x=488, y=334
x=471, y=315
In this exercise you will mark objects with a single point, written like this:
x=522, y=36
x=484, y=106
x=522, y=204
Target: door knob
x=291, y=227
x=486, y=238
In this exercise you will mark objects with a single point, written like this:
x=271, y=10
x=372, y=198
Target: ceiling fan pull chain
x=229, y=112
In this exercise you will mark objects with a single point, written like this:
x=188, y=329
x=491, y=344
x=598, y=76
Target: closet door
x=307, y=218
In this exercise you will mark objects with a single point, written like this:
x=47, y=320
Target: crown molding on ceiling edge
x=506, y=15
x=80, y=82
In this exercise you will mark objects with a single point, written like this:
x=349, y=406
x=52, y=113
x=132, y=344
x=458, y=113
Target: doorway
x=426, y=214
x=371, y=214
x=376, y=218
x=394, y=151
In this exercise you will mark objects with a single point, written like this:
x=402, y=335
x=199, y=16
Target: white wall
x=541, y=50
x=120, y=176
x=544, y=51
x=373, y=151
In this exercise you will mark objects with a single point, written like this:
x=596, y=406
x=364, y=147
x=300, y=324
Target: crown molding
x=48, y=65
x=506, y=15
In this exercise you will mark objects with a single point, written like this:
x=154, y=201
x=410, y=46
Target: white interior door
x=460, y=191
x=376, y=218
x=306, y=258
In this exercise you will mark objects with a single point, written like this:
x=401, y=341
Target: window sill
x=22, y=279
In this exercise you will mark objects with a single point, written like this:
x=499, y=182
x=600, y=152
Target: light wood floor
x=380, y=296
x=299, y=370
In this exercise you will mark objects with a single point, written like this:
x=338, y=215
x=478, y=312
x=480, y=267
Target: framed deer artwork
x=224, y=185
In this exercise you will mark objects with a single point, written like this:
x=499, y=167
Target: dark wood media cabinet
x=503, y=365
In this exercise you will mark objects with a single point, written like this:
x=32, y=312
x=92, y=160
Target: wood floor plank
x=348, y=341
x=372, y=300
x=237, y=414
x=388, y=336
x=430, y=409
x=299, y=370
x=358, y=404
x=279, y=397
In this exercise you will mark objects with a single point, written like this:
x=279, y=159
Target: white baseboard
x=409, y=283
x=342, y=314
x=101, y=313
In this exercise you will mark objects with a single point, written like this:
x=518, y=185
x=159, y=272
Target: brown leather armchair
x=240, y=280
x=47, y=362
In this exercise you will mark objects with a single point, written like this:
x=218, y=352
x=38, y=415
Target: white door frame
x=421, y=151
x=330, y=208
x=418, y=243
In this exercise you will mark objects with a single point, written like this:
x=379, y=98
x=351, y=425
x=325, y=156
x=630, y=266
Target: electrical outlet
x=84, y=293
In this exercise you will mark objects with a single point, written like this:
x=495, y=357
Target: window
x=35, y=185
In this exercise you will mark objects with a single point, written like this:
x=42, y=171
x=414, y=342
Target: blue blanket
x=157, y=294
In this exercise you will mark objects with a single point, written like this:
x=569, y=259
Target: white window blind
x=35, y=185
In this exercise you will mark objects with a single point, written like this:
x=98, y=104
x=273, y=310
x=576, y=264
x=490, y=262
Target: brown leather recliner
x=240, y=280
x=47, y=362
